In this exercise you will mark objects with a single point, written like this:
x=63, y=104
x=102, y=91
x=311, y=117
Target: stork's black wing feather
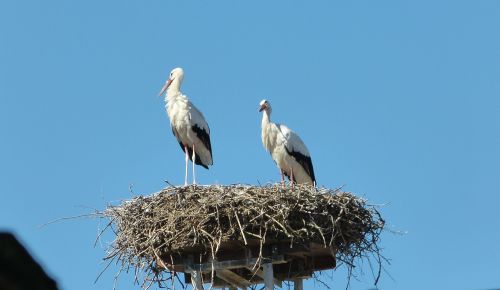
x=304, y=161
x=204, y=136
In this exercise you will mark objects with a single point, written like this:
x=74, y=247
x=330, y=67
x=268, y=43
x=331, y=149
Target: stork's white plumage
x=188, y=124
x=287, y=149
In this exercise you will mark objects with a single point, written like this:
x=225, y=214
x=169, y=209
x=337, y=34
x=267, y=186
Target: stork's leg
x=282, y=178
x=194, y=158
x=291, y=177
x=187, y=161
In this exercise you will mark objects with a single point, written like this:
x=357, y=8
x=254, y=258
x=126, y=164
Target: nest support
x=238, y=235
x=241, y=266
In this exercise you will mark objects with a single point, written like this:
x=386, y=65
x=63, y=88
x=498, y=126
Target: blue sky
x=397, y=100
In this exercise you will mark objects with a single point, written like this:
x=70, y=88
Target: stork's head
x=174, y=79
x=265, y=106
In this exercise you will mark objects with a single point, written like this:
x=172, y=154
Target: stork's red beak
x=262, y=107
x=165, y=87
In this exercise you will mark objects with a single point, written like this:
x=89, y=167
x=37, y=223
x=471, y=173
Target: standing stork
x=287, y=149
x=188, y=124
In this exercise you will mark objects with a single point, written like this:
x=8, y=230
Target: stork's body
x=287, y=149
x=188, y=124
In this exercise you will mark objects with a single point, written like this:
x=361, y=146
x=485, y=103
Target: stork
x=287, y=149
x=188, y=124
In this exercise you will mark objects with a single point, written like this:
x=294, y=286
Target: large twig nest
x=178, y=221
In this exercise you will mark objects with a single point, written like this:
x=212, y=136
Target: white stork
x=287, y=149
x=188, y=124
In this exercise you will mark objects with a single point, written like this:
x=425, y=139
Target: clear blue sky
x=397, y=100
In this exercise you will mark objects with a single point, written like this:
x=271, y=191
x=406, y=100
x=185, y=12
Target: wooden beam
x=260, y=274
x=196, y=280
x=268, y=276
x=233, y=278
x=232, y=264
x=298, y=284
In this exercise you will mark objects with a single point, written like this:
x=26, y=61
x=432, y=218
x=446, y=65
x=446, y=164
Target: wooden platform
x=235, y=264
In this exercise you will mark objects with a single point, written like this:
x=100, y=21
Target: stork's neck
x=268, y=132
x=174, y=88
x=173, y=92
x=266, y=118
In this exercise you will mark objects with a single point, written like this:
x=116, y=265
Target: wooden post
x=196, y=280
x=195, y=275
x=268, y=276
x=297, y=284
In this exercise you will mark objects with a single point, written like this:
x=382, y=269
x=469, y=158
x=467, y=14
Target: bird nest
x=158, y=235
